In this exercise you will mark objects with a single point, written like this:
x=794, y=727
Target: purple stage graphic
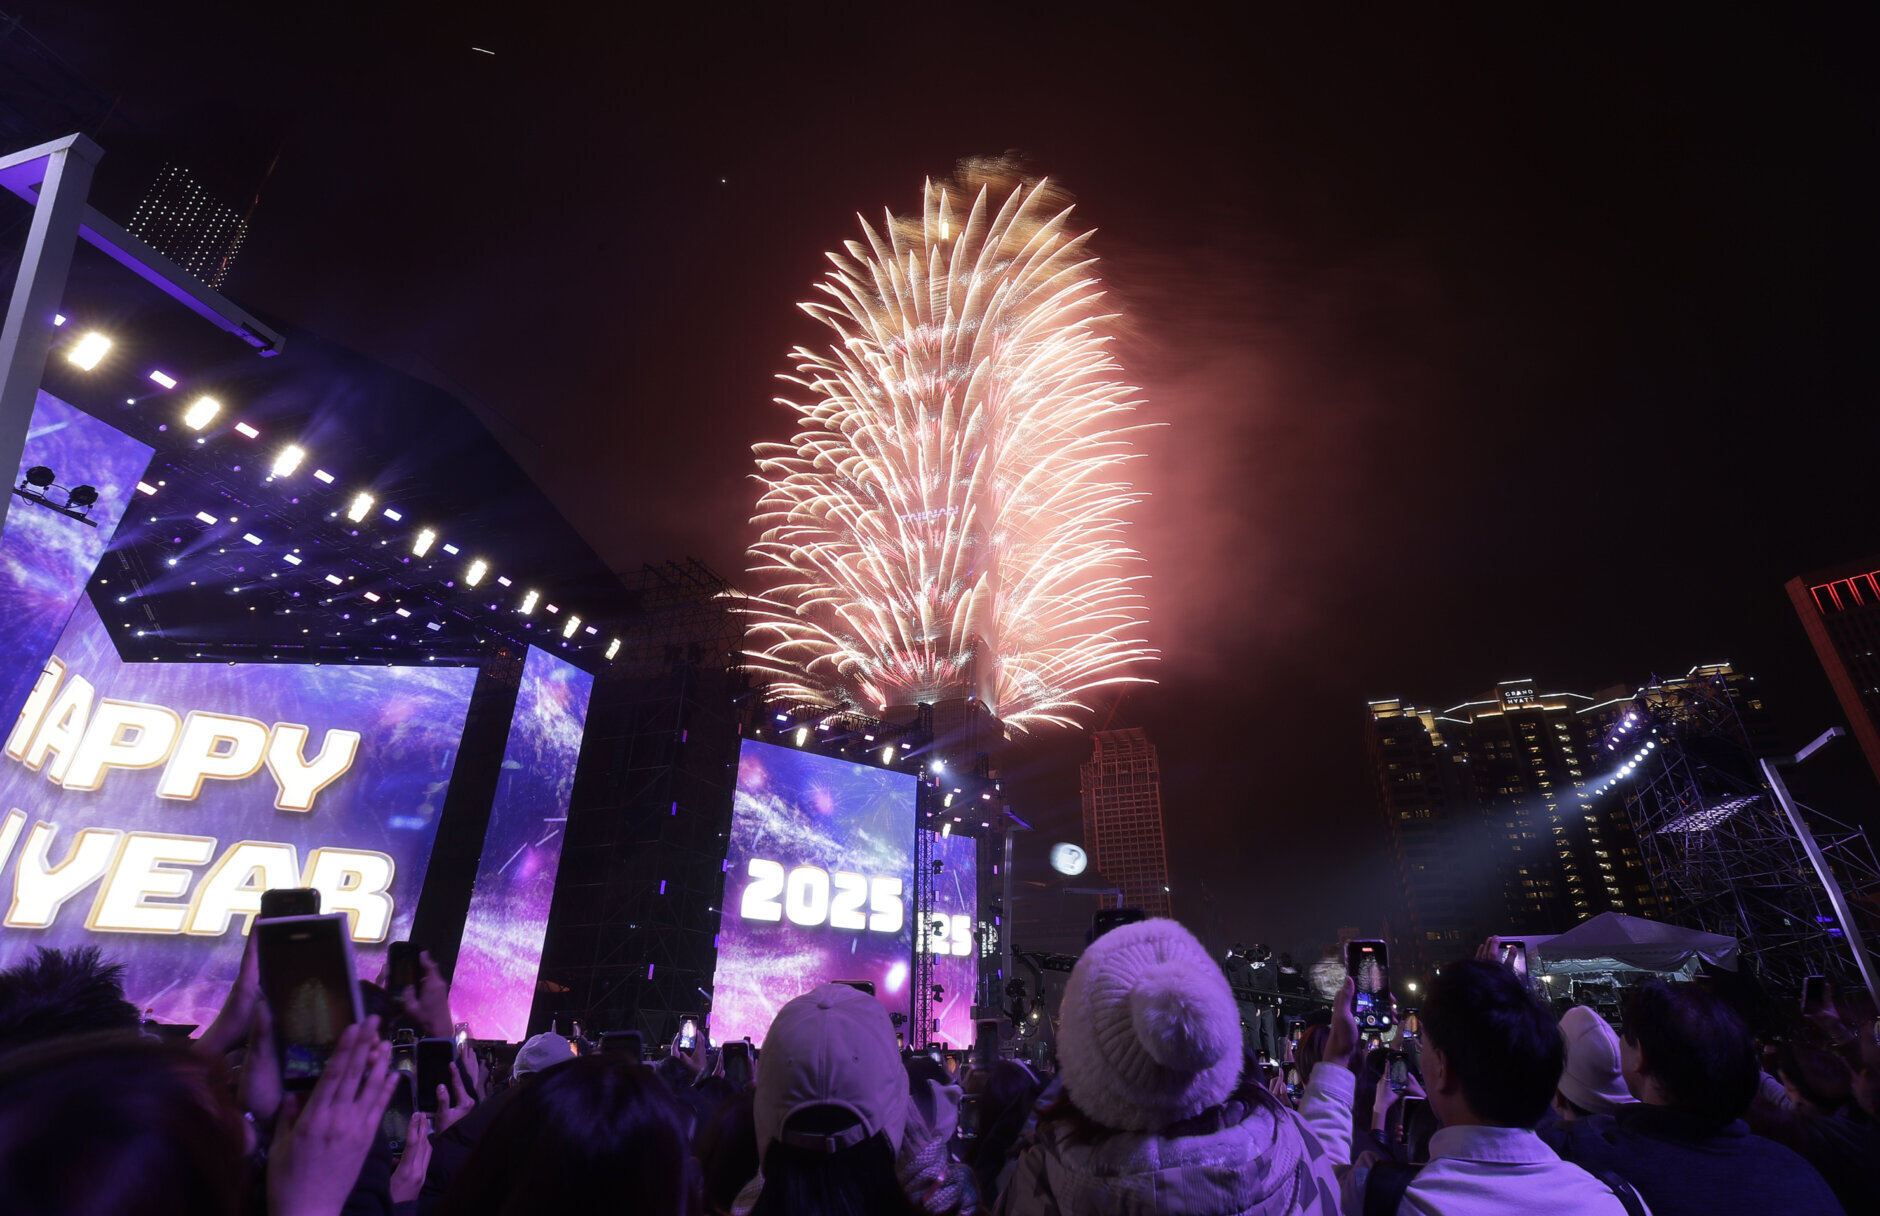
x=144, y=806
x=955, y=938
x=817, y=885
x=45, y=558
x=494, y=983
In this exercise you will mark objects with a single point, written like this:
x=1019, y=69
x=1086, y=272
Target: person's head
x=61, y=992
x=1492, y=1054
x=540, y=1053
x=1814, y=1079
x=726, y=1146
x=1684, y=1048
x=1591, y=1083
x=1149, y=1033
x=832, y=1097
x=115, y=1123
x=580, y=1135
x=1010, y=1084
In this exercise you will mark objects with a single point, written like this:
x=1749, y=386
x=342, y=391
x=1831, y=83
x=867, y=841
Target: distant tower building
x=1122, y=785
x=1840, y=610
x=183, y=223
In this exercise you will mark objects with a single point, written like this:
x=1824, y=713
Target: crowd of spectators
x=1155, y=1104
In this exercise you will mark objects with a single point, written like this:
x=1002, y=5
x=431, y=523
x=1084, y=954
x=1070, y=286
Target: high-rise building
x=182, y=222
x=1492, y=822
x=1840, y=610
x=1122, y=786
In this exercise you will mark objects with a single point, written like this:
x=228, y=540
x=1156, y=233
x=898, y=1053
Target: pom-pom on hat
x=1149, y=1034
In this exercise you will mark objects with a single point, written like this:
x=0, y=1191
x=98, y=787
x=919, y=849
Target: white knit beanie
x=1149, y=1033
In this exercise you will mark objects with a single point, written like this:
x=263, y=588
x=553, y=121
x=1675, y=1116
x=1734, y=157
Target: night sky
x=1524, y=341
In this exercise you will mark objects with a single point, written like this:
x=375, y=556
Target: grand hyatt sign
x=76, y=740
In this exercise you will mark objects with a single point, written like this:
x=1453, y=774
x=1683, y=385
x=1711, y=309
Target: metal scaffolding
x=1727, y=856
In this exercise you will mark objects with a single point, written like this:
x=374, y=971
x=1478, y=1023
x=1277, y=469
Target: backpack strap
x=1628, y=1195
x=1385, y=1185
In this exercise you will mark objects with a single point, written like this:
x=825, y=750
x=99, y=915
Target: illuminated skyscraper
x=1487, y=827
x=182, y=222
x=1122, y=785
x=1840, y=610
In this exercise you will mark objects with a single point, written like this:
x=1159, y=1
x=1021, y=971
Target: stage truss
x=1724, y=855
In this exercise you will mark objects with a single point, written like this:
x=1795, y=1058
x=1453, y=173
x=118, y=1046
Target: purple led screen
x=954, y=937
x=816, y=885
x=494, y=983
x=143, y=806
x=45, y=558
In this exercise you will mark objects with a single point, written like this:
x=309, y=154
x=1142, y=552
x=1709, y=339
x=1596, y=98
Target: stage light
x=452, y=550
x=946, y=829
x=947, y=801
x=144, y=487
x=594, y=631
x=81, y=496
x=613, y=648
x=88, y=350
x=475, y=573
x=802, y=735
x=202, y=413
x=422, y=545
x=361, y=506
x=938, y=766
x=529, y=602
x=207, y=518
x=394, y=516
x=887, y=754
x=58, y=318
x=323, y=476
x=165, y=381
x=335, y=579
x=405, y=612
x=41, y=476
x=245, y=429
x=290, y=559
x=503, y=582
x=574, y=623
x=372, y=597
x=289, y=460
x=251, y=538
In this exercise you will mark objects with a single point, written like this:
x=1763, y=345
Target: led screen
x=494, y=983
x=45, y=558
x=143, y=806
x=816, y=885
x=953, y=937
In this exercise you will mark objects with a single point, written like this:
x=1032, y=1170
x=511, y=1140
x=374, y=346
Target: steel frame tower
x=1725, y=854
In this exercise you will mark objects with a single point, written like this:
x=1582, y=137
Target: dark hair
x=1695, y=1047
x=727, y=1149
x=106, y=1123
x=1009, y=1084
x=1821, y=1076
x=855, y=1181
x=595, y=1129
x=1501, y=1044
x=61, y=992
x=923, y=1067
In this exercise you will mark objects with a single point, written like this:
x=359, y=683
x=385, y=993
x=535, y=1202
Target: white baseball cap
x=832, y=1046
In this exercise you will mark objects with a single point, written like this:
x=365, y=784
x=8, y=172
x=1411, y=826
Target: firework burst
x=949, y=519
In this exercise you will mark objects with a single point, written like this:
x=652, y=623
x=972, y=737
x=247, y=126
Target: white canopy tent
x=1615, y=942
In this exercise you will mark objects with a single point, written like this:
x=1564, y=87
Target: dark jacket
x=1681, y=1168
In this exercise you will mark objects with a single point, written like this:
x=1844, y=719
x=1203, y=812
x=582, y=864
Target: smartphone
x=971, y=1112
x=867, y=986
x=1408, y=1110
x=737, y=1061
x=1107, y=919
x=435, y=1056
x=1814, y=994
x=1263, y=1056
x=397, y=1120
x=986, y=1042
x=1412, y=1023
x=1367, y=962
x=1295, y=1030
x=312, y=991
x=401, y=967
x=688, y=1034
x=1399, y=1071
x=460, y=1035
x=280, y=902
x=1514, y=957
x=627, y=1043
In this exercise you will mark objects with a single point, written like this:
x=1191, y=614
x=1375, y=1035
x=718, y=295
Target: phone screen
x=623, y=1042
x=1367, y=962
x=401, y=967
x=307, y=976
x=397, y=1120
x=1514, y=957
x=1399, y=1071
x=970, y=1113
x=435, y=1057
x=688, y=1035
x=277, y=902
x=1407, y=1110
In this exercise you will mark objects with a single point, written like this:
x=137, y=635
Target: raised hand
x=408, y=1178
x=322, y=1142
